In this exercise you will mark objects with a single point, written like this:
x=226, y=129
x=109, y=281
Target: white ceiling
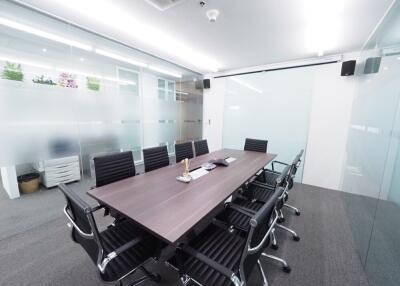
x=247, y=32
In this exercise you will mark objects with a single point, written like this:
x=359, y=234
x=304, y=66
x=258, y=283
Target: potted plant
x=67, y=80
x=93, y=83
x=42, y=80
x=12, y=71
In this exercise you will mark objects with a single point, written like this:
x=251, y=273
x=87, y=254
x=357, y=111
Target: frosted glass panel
x=58, y=100
x=274, y=106
x=373, y=167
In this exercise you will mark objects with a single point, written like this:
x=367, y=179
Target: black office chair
x=222, y=257
x=118, y=251
x=259, y=192
x=155, y=158
x=183, y=151
x=255, y=145
x=201, y=147
x=111, y=168
x=270, y=176
x=114, y=167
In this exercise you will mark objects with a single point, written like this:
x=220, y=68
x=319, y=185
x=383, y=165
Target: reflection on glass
x=57, y=99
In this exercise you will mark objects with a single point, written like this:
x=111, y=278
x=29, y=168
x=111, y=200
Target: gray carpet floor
x=36, y=249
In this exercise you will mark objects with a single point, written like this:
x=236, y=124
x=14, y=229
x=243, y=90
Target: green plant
x=93, y=83
x=43, y=80
x=12, y=71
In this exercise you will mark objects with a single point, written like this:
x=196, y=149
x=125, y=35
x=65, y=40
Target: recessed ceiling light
x=82, y=59
x=126, y=22
x=120, y=58
x=320, y=53
x=44, y=50
x=398, y=58
x=43, y=34
x=385, y=68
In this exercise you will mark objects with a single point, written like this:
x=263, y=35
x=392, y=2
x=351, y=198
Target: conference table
x=168, y=208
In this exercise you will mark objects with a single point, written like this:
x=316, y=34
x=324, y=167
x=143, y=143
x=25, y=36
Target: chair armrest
x=72, y=224
x=262, y=185
x=98, y=207
x=213, y=264
x=117, y=252
x=277, y=162
x=246, y=211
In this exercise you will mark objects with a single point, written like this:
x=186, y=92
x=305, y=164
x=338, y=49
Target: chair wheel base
x=275, y=246
x=296, y=238
x=287, y=269
x=280, y=220
x=297, y=213
x=156, y=277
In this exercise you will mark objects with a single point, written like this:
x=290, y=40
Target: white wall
x=329, y=120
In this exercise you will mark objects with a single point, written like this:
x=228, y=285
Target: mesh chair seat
x=219, y=245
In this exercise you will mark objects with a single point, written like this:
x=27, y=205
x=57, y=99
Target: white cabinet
x=60, y=170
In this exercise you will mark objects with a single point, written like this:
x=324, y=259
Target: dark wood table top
x=169, y=208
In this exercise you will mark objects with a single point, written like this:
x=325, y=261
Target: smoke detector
x=212, y=15
x=163, y=5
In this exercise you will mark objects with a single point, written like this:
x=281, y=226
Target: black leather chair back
x=80, y=213
x=293, y=170
x=283, y=181
x=260, y=224
x=201, y=147
x=155, y=158
x=256, y=145
x=183, y=151
x=114, y=167
x=296, y=162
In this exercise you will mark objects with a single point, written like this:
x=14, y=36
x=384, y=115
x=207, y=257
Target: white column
x=213, y=113
x=10, y=183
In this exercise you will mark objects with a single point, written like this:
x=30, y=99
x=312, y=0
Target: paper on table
x=198, y=173
x=230, y=159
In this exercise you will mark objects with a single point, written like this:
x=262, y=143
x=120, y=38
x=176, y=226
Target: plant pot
x=28, y=183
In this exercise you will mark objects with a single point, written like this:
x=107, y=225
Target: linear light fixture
x=119, y=58
x=23, y=62
x=181, y=92
x=126, y=22
x=43, y=34
x=246, y=85
x=164, y=71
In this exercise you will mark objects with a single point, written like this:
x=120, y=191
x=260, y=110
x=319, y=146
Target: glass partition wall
x=67, y=92
x=373, y=166
x=265, y=106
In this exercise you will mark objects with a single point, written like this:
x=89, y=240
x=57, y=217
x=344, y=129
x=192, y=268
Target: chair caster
x=156, y=277
x=286, y=269
x=296, y=238
x=280, y=219
x=275, y=246
x=297, y=213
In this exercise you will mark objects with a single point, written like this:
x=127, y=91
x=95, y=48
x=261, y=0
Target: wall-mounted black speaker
x=348, y=68
x=206, y=83
x=372, y=65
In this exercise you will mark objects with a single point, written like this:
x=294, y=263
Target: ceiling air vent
x=163, y=5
